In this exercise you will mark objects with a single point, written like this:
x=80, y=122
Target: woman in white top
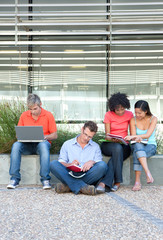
x=143, y=127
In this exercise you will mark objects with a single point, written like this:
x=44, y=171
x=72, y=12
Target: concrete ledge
x=126, y=170
x=30, y=168
x=155, y=164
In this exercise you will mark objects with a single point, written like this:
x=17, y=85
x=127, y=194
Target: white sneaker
x=114, y=188
x=13, y=184
x=46, y=184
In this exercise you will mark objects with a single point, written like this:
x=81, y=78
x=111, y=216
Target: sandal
x=136, y=187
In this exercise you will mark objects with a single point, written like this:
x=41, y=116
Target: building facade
x=75, y=54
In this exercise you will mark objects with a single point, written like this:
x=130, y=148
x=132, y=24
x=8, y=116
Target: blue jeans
x=118, y=152
x=141, y=150
x=42, y=149
x=75, y=184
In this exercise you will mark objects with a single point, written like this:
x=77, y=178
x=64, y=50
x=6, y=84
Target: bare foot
x=137, y=186
x=149, y=178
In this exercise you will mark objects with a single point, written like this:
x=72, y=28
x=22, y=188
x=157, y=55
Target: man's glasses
x=89, y=137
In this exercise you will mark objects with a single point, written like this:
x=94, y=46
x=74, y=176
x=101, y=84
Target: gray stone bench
x=30, y=167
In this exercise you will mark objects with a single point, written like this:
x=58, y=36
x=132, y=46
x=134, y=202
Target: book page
x=121, y=139
x=142, y=141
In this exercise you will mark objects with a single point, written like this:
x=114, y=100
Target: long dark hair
x=144, y=106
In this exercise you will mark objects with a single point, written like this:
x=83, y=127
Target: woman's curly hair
x=118, y=99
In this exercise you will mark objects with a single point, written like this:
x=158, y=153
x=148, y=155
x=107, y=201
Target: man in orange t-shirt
x=35, y=116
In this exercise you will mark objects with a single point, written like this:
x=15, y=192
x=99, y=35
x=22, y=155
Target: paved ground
x=29, y=212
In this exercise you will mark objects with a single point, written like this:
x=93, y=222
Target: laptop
x=29, y=133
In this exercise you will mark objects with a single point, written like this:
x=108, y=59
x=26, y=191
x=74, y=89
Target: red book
x=75, y=168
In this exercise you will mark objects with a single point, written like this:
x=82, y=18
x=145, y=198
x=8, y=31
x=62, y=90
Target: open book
x=75, y=168
x=145, y=141
x=121, y=139
x=76, y=171
x=77, y=174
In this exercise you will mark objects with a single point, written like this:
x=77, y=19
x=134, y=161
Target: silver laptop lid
x=29, y=133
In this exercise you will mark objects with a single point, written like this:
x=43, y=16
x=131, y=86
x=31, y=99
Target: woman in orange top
x=116, y=122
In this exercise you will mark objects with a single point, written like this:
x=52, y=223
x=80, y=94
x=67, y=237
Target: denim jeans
x=18, y=148
x=118, y=152
x=75, y=184
x=141, y=150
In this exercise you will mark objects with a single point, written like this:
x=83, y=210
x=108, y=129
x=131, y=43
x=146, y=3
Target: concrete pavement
x=29, y=212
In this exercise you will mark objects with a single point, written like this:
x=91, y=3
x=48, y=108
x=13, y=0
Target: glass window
x=75, y=54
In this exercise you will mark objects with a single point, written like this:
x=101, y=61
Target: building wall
x=75, y=54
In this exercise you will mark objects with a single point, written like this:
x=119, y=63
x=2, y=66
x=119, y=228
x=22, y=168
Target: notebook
x=119, y=138
x=144, y=141
x=29, y=133
x=75, y=168
x=76, y=171
x=77, y=174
